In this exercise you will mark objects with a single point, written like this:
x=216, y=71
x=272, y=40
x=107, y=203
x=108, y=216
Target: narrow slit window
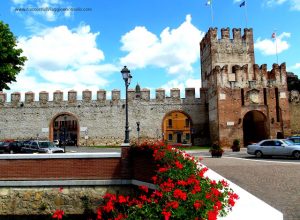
x=277, y=105
x=265, y=97
x=242, y=97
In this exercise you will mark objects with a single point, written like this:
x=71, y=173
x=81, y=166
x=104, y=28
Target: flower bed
x=182, y=191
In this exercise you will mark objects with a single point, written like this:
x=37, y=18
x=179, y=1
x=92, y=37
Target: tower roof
x=137, y=88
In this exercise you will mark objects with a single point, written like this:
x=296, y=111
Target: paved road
x=274, y=180
x=277, y=182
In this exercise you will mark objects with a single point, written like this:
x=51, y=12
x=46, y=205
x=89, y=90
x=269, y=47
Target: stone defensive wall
x=294, y=99
x=102, y=121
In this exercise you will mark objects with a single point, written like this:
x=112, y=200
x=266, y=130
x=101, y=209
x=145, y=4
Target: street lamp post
x=65, y=131
x=138, y=131
x=127, y=79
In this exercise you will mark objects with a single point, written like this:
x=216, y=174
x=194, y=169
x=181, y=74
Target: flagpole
x=246, y=15
x=276, y=48
x=212, y=14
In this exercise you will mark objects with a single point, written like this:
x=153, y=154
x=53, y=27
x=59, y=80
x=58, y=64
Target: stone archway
x=177, y=128
x=65, y=128
x=255, y=127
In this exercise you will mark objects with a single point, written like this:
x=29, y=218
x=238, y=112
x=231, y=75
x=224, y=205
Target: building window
x=170, y=123
x=265, y=97
x=187, y=122
x=170, y=137
x=187, y=136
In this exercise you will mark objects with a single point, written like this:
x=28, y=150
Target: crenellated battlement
x=230, y=50
x=239, y=76
x=212, y=36
x=101, y=96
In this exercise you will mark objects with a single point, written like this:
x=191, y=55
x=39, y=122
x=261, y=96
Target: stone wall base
x=45, y=200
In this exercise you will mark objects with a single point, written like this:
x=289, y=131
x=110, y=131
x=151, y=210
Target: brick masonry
x=38, y=199
x=58, y=169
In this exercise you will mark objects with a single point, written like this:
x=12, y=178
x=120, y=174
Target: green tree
x=11, y=61
x=293, y=81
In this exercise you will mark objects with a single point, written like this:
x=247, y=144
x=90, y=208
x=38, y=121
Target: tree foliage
x=293, y=81
x=11, y=61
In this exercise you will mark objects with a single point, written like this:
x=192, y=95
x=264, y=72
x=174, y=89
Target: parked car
x=42, y=147
x=11, y=147
x=274, y=147
x=295, y=139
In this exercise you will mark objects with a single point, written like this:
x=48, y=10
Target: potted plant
x=236, y=145
x=216, y=150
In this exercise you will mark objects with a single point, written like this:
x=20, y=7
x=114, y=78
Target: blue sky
x=158, y=40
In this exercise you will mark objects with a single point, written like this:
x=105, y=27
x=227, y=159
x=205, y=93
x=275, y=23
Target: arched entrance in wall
x=65, y=128
x=176, y=128
x=255, y=127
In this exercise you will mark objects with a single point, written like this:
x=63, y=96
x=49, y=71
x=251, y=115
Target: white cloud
x=296, y=66
x=173, y=50
x=44, y=8
x=63, y=58
x=20, y=2
x=58, y=47
x=294, y=4
x=268, y=46
x=34, y=26
x=182, y=84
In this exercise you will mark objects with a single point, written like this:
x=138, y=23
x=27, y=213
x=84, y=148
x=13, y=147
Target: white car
x=274, y=147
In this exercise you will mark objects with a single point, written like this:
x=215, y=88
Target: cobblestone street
x=276, y=183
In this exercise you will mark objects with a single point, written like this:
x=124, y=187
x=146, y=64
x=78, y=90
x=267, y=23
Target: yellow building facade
x=177, y=128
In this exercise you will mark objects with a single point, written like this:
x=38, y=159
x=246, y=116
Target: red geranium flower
x=108, y=207
x=99, y=214
x=122, y=199
x=173, y=204
x=178, y=165
x=167, y=215
x=58, y=214
x=179, y=194
x=197, y=204
x=162, y=169
x=144, y=188
x=212, y=215
x=154, y=179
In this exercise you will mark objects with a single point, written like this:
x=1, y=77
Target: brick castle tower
x=245, y=101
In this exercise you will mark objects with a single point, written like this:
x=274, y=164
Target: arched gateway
x=177, y=128
x=65, y=128
x=255, y=127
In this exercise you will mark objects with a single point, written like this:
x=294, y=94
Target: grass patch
x=180, y=148
x=106, y=146
x=194, y=148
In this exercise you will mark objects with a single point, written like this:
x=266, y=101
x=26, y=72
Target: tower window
x=265, y=97
x=277, y=105
x=170, y=137
x=242, y=97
